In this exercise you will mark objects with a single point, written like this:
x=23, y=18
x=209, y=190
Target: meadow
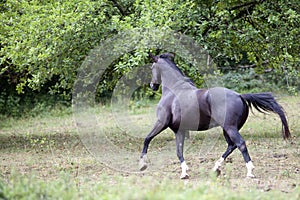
x=46, y=157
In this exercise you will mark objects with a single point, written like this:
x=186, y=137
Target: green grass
x=43, y=158
x=120, y=187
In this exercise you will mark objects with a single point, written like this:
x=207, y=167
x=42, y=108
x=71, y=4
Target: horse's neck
x=175, y=81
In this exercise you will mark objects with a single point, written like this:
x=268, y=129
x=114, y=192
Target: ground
x=47, y=147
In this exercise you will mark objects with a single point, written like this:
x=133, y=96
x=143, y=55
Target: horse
x=184, y=107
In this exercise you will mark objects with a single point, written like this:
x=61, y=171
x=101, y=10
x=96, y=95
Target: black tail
x=265, y=102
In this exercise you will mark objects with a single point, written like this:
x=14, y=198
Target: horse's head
x=156, y=76
x=156, y=72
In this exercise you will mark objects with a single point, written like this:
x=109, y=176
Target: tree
x=44, y=42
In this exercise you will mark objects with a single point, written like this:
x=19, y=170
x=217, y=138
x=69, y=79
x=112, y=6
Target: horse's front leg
x=180, y=135
x=158, y=127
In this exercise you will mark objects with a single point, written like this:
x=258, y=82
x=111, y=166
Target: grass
x=44, y=158
x=120, y=187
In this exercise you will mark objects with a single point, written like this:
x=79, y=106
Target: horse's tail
x=265, y=102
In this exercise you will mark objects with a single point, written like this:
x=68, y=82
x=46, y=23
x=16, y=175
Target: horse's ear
x=171, y=56
x=154, y=58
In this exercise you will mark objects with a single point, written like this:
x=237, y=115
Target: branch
x=119, y=7
x=252, y=3
x=247, y=9
x=264, y=63
x=206, y=30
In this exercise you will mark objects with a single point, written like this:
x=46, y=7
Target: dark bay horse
x=184, y=107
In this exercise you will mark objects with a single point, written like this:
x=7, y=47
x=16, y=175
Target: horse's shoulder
x=202, y=93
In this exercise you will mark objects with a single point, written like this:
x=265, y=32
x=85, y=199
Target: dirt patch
x=276, y=163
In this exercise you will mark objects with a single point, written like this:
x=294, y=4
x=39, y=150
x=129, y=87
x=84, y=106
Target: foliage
x=31, y=104
x=247, y=80
x=43, y=43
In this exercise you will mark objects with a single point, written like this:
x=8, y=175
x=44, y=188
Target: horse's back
x=200, y=109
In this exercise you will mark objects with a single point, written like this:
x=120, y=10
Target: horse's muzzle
x=154, y=86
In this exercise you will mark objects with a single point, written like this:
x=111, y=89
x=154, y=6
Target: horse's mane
x=171, y=63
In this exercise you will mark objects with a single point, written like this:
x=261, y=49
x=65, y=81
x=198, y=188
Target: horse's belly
x=196, y=120
x=209, y=123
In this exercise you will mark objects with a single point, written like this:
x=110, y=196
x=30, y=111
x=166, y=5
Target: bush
x=247, y=80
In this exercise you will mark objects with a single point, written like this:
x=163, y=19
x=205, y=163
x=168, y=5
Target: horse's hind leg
x=240, y=143
x=231, y=147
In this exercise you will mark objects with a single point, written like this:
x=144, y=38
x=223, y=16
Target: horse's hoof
x=142, y=165
x=184, y=176
x=250, y=176
x=218, y=172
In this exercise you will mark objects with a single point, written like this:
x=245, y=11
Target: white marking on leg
x=218, y=164
x=184, y=168
x=250, y=167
